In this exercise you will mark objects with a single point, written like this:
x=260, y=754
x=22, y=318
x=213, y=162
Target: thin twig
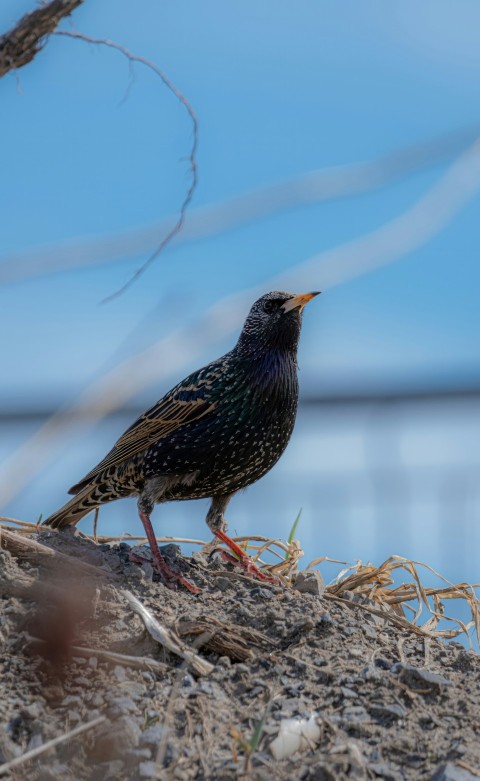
x=138, y=662
x=387, y=615
x=36, y=752
x=192, y=158
x=415, y=227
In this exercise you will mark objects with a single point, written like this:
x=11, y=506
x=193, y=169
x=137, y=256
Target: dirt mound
x=85, y=663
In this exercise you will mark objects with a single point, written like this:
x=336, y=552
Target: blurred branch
x=355, y=397
x=177, y=227
x=412, y=229
x=19, y=46
x=214, y=219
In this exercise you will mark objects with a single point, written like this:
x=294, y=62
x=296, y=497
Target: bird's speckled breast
x=255, y=409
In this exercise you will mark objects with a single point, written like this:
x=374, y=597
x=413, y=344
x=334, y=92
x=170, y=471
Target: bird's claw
x=239, y=558
x=172, y=579
x=169, y=577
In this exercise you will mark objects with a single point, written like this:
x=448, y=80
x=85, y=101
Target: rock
x=152, y=736
x=71, y=700
x=384, y=772
x=74, y=717
x=321, y=773
x=325, y=621
x=383, y=663
x=107, y=771
x=348, y=693
x=35, y=742
x=419, y=678
x=120, y=706
x=147, y=570
x=119, y=673
x=309, y=582
x=222, y=583
x=263, y=593
x=387, y=712
x=369, y=632
x=114, y=738
x=452, y=772
x=32, y=711
x=355, y=713
x=81, y=681
x=150, y=770
x=137, y=754
x=8, y=748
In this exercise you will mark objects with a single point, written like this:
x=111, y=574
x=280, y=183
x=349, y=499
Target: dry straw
x=395, y=590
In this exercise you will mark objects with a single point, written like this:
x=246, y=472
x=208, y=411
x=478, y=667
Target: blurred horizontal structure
x=376, y=473
x=356, y=398
x=170, y=356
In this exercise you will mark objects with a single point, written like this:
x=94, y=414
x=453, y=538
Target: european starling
x=217, y=431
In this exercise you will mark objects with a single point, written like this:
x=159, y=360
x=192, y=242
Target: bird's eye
x=271, y=305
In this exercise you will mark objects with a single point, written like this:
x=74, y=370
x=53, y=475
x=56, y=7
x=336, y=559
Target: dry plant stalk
x=19, y=45
x=36, y=752
x=376, y=584
x=25, y=548
x=166, y=637
x=230, y=640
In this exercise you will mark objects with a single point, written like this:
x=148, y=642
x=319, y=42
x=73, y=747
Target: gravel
x=388, y=705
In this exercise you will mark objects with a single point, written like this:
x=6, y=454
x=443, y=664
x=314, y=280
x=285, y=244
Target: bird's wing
x=185, y=404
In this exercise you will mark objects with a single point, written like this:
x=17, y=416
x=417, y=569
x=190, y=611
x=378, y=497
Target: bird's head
x=274, y=322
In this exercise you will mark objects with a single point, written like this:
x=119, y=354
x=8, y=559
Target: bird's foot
x=240, y=559
x=170, y=577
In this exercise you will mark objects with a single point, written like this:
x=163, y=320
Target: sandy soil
x=382, y=703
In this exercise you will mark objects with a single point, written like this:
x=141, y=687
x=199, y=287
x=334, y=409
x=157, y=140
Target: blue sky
x=280, y=88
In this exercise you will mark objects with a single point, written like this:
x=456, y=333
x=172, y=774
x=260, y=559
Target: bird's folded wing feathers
x=165, y=417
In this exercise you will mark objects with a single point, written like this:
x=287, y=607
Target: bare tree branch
x=388, y=243
x=324, y=184
x=191, y=158
x=19, y=46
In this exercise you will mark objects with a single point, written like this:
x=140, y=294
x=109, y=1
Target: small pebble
x=35, y=742
x=152, y=736
x=81, y=681
x=349, y=693
x=150, y=770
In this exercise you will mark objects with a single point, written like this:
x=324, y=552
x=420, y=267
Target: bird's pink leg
x=242, y=560
x=170, y=577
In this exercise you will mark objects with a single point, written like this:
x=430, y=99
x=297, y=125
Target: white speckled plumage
x=217, y=431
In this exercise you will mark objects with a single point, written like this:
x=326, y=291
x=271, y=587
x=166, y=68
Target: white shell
x=295, y=735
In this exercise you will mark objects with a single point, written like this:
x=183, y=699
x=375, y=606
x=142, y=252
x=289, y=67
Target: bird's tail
x=88, y=499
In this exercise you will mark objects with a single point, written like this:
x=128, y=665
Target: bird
x=217, y=431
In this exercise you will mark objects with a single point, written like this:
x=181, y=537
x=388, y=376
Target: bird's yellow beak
x=298, y=301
